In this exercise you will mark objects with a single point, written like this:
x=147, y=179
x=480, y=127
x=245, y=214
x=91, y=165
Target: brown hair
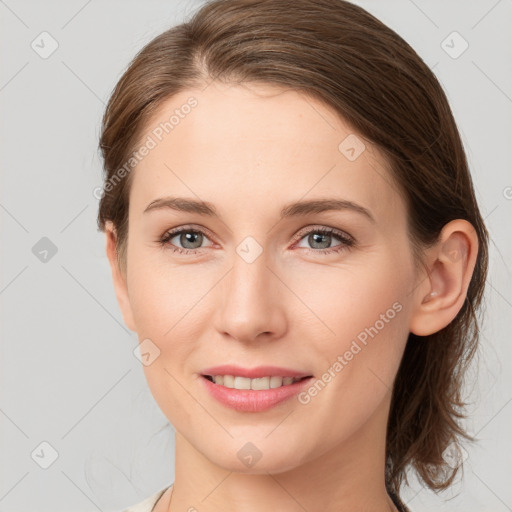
x=342, y=55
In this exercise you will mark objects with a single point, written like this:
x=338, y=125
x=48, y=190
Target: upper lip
x=253, y=373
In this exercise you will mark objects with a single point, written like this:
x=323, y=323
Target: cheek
x=166, y=304
x=162, y=295
x=343, y=302
x=362, y=314
x=171, y=307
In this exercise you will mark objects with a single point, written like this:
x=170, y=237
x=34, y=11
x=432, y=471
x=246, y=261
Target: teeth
x=236, y=382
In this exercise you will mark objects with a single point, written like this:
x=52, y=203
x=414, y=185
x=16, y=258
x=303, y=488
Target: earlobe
x=450, y=264
x=118, y=278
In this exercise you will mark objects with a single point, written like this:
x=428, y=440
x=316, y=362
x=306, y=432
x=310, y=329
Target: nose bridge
x=250, y=270
x=249, y=283
x=250, y=302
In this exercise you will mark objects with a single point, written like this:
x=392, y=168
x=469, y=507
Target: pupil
x=324, y=245
x=189, y=237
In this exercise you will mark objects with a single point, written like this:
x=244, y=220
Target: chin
x=254, y=457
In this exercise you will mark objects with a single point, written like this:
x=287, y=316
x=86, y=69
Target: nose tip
x=251, y=306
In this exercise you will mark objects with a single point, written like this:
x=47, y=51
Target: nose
x=252, y=301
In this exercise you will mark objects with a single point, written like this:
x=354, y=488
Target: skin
x=249, y=150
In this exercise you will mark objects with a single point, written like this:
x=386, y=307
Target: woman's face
x=257, y=289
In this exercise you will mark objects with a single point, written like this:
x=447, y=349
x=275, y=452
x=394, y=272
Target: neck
x=347, y=477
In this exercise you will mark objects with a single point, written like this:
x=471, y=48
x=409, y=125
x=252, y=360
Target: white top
x=148, y=504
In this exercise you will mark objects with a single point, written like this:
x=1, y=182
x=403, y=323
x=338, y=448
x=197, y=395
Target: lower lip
x=250, y=400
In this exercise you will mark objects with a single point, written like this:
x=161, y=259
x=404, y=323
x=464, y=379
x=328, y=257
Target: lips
x=250, y=400
x=254, y=373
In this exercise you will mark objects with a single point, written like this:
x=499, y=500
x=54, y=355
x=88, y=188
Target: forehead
x=261, y=146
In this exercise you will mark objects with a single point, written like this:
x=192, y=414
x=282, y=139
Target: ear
x=118, y=277
x=450, y=264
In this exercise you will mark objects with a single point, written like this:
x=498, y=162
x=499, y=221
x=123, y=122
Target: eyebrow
x=295, y=209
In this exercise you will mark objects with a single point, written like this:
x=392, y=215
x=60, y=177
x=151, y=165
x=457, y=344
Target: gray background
x=68, y=375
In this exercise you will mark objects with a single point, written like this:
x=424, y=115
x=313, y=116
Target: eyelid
x=168, y=234
x=326, y=229
x=189, y=227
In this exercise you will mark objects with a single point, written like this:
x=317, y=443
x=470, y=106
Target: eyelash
x=347, y=240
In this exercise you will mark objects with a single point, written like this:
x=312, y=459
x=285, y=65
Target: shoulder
x=148, y=504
